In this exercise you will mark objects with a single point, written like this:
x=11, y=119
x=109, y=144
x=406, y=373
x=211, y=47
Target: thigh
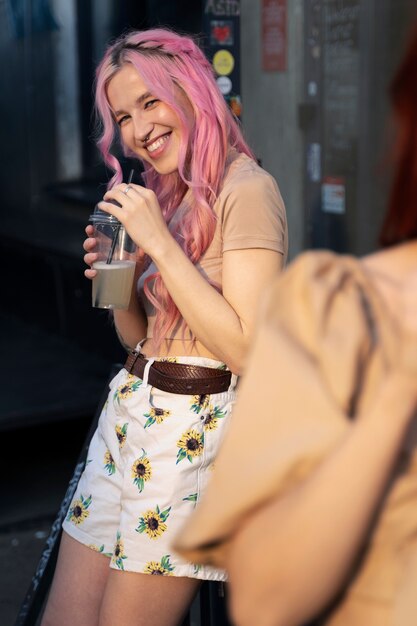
x=132, y=599
x=78, y=586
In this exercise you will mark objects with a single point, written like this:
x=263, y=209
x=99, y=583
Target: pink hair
x=166, y=60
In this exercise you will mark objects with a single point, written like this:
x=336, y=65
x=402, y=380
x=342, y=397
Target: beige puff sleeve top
x=324, y=344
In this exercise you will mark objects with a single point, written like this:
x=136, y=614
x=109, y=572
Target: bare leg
x=78, y=586
x=133, y=599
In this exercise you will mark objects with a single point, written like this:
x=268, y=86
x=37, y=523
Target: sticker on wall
x=235, y=104
x=333, y=195
x=224, y=84
x=221, y=33
x=223, y=62
x=223, y=7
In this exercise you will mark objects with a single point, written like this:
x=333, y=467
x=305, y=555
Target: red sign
x=274, y=35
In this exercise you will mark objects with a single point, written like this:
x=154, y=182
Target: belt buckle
x=131, y=360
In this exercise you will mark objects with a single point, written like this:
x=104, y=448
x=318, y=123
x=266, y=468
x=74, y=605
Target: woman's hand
x=91, y=257
x=140, y=214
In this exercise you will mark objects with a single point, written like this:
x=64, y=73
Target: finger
x=124, y=192
x=90, y=274
x=89, y=244
x=114, y=210
x=119, y=192
x=129, y=186
x=89, y=230
x=90, y=258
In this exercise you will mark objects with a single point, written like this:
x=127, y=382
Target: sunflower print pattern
x=109, y=464
x=118, y=555
x=121, y=434
x=160, y=568
x=190, y=445
x=149, y=462
x=100, y=549
x=191, y=498
x=127, y=388
x=156, y=415
x=153, y=522
x=78, y=511
x=200, y=403
x=212, y=417
x=141, y=471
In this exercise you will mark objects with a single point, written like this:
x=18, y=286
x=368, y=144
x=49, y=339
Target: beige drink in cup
x=113, y=284
x=115, y=266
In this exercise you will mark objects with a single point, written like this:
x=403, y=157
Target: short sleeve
x=253, y=213
x=294, y=402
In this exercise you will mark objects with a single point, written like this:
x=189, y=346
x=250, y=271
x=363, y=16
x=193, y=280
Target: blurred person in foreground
x=313, y=503
x=211, y=231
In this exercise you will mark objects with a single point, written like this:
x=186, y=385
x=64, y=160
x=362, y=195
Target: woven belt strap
x=179, y=377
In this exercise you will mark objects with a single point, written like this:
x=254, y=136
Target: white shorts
x=148, y=464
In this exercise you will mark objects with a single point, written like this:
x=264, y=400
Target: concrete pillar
x=270, y=105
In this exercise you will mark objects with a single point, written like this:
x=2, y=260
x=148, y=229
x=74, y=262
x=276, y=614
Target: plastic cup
x=115, y=265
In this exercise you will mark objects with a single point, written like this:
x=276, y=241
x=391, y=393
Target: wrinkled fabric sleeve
x=254, y=215
x=293, y=405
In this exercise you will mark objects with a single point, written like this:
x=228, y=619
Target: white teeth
x=157, y=144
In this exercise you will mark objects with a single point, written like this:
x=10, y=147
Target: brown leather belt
x=179, y=377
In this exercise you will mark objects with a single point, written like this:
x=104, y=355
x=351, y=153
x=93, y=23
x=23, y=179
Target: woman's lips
x=155, y=148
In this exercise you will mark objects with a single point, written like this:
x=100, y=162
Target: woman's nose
x=143, y=130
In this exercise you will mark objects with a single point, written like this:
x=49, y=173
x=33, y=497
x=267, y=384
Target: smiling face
x=149, y=127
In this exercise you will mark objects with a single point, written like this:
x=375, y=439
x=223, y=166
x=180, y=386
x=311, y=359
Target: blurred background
x=309, y=80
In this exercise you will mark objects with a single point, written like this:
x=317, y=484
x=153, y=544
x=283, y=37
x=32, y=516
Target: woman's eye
x=150, y=103
x=123, y=119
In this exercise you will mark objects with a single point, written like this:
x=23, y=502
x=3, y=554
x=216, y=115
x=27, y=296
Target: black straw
x=117, y=229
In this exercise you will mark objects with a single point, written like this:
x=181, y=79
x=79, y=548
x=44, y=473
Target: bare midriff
x=177, y=347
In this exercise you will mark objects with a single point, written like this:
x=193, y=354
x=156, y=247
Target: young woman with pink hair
x=211, y=232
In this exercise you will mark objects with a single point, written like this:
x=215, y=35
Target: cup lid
x=101, y=216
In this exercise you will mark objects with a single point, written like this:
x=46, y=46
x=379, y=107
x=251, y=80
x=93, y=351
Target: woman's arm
x=223, y=323
x=292, y=556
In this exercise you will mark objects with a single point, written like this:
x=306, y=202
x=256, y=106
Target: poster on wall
x=333, y=195
x=221, y=26
x=274, y=35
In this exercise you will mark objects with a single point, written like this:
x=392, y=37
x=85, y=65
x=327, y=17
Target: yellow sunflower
x=212, y=417
x=141, y=471
x=118, y=553
x=199, y=403
x=153, y=522
x=160, y=568
x=78, y=512
x=190, y=445
x=156, y=415
x=121, y=434
x=109, y=464
x=127, y=388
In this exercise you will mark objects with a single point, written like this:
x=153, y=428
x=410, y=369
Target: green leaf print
x=191, y=498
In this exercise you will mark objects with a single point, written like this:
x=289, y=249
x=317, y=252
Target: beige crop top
x=250, y=214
